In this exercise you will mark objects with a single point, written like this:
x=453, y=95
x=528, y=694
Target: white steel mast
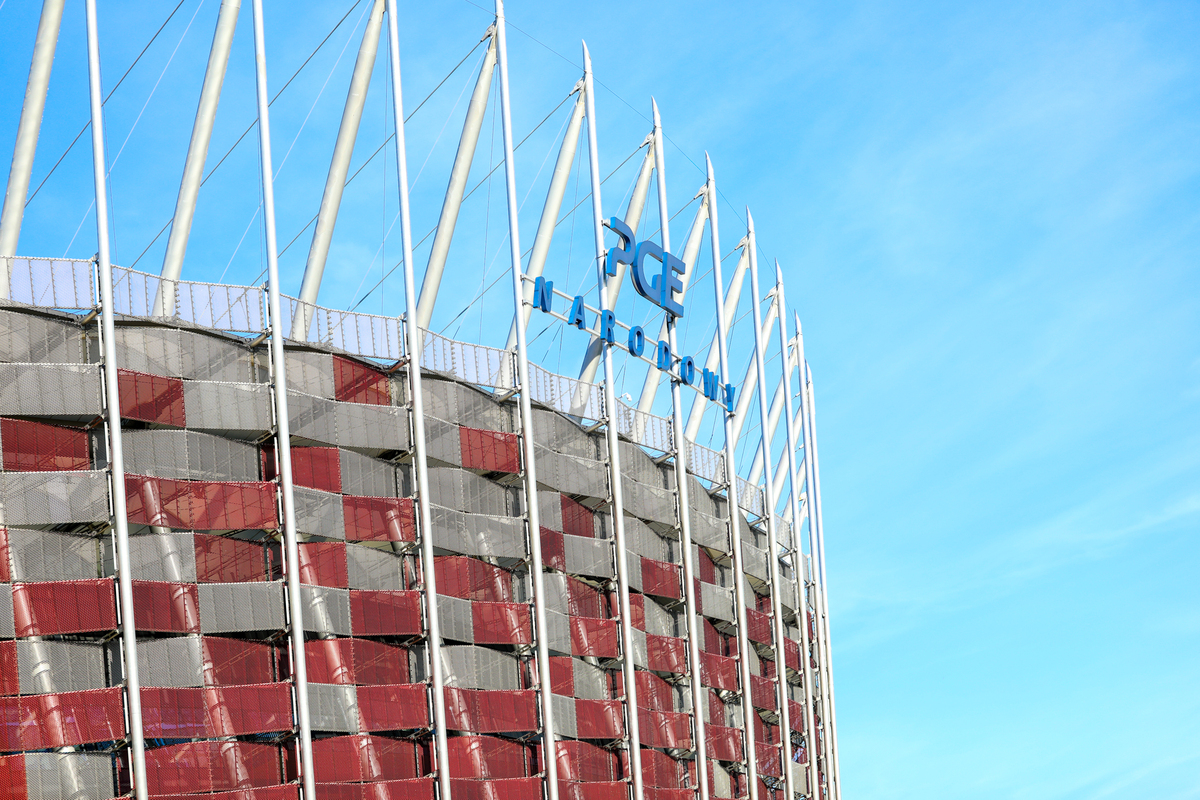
x=546, y=695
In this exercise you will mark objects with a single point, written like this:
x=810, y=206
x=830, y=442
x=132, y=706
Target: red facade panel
x=37, y=447
x=5, y=557
x=491, y=451
x=172, y=713
x=12, y=777
x=223, y=559
x=62, y=607
x=796, y=716
x=791, y=653
x=417, y=789
x=286, y=792
x=762, y=693
x=666, y=654
x=758, y=626
x=166, y=607
x=357, y=383
x=706, y=568
x=594, y=637
x=379, y=519
x=385, y=613
x=578, y=519
x=483, y=711
x=553, y=550
x=581, y=761
x=637, y=610
x=723, y=744
x=472, y=579
x=496, y=789
x=653, y=692
x=323, y=564
x=584, y=600
x=236, y=661
x=10, y=676
x=211, y=767
x=595, y=790
x=200, y=505
x=562, y=676
x=769, y=761
x=355, y=661
x=490, y=757
x=151, y=398
x=719, y=672
x=342, y=759
x=312, y=467
x=44, y=721
x=393, y=708
x=599, y=719
x=667, y=729
x=660, y=579
x=501, y=623
x=660, y=770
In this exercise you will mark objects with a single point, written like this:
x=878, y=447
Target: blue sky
x=987, y=214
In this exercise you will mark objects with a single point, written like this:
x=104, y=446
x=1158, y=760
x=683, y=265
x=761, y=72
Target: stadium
x=254, y=547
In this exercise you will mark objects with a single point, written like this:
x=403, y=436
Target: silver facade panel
x=52, y=666
x=371, y=427
x=69, y=776
x=175, y=662
x=571, y=474
x=309, y=373
x=189, y=455
x=477, y=534
x=45, y=556
x=319, y=513
x=41, y=340
x=234, y=408
x=50, y=390
x=717, y=602
x=456, y=618
x=363, y=475
x=590, y=557
x=469, y=667
x=53, y=498
x=333, y=708
x=162, y=557
x=374, y=569
x=232, y=607
x=326, y=610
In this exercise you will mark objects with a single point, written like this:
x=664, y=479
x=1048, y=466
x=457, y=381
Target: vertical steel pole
x=116, y=451
x=27, y=133
x=611, y=434
x=711, y=361
x=739, y=574
x=787, y=362
x=820, y=648
x=283, y=447
x=339, y=167
x=816, y=505
x=772, y=533
x=421, y=464
x=549, y=749
x=193, y=166
x=680, y=445
x=454, y=191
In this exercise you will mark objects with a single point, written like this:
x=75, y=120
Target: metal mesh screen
x=754, y=561
x=641, y=540
x=371, y=427
x=369, y=335
x=162, y=557
x=50, y=390
x=309, y=373
x=319, y=513
x=373, y=569
x=53, y=498
x=46, y=667
x=37, y=339
x=69, y=776
x=591, y=557
x=645, y=429
x=231, y=607
x=565, y=394
x=44, y=556
x=751, y=498
x=366, y=476
x=571, y=474
x=717, y=602
x=465, y=491
x=50, y=282
x=706, y=463
x=170, y=662
x=473, y=363
x=326, y=610
x=228, y=407
x=477, y=534
x=465, y=405
x=189, y=455
x=456, y=619
x=333, y=708
x=470, y=667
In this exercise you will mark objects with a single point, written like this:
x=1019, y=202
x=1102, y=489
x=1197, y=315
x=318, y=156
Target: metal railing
x=704, y=462
x=473, y=363
x=368, y=335
x=645, y=429
x=568, y=395
x=64, y=283
x=751, y=498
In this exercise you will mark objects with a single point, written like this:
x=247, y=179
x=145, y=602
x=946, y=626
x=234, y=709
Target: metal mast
x=614, y=449
x=549, y=749
x=27, y=133
x=339, y=166
x=193, y=167
x=116, y=454
x=283, y=448
x=739, y=573
x=421, y=464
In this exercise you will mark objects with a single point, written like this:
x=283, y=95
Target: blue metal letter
x=608, y=324
x=543, y=293
x=576, y=317
x=637, y=340
x=711, y=384
x=670, y=283
x=647, y=289
x=730, y=393
x=687, y=369
x=665, y=362
x=622, y=254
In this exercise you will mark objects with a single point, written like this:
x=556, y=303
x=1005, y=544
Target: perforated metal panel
x=591, y=682
x=571, y=474
x=37, y=339
x=236, y=408
x=312, y=418
x=442, y=441
x=362, y=475
x=648, y=502
x=638, y=648
x=371, y=427
x=470, y=667
x=69, y=776
x=556, y=432
x=710, y=531
x=643, y=541
x=717, y=602
x=591, y=557
x=659, y=621
x=558, y=632
x=189, y=455
x=333, y=708
x=170, y=662
x=457, y=622
x=53, y=498
x=754, y=561
x=326, y=610
x=319, y=513
x=374, y=569
x=564, y=717
x=45, y=556
x=477, y=534
x=50, y=390
x=230, y=607
x=47, y=667
x=7, y=625
x=309, y=373
x=465, y=491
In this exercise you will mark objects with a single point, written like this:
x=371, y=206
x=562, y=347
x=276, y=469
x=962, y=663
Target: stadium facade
x=252, y=547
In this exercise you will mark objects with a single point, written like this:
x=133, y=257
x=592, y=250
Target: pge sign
x=666, y=280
